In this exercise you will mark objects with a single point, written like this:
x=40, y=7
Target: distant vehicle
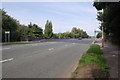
x=80, y=38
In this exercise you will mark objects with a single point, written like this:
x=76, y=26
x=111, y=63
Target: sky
x=63, y=15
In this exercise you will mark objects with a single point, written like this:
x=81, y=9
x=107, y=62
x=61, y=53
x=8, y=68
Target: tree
x=74, y=30
x=35, y=31
x=23, y=30
x=17, y=30
x=99, y=35
x=77, y=32
x=48, y=29
x=9, y=24
x=110, y=19
x=55, y=35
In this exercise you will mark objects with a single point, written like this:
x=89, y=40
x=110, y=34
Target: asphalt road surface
x=53, y=59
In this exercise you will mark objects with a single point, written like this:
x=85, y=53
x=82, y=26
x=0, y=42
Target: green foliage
x=88, y=58
x=48, y=30
x=15, y=36
x=9, y=24
x=93, y=55
x=94, y=48
x=110, y=19
x=17, y=30
x=99, y=35
x=35, y=31
x=23, y=30
x=76, y=32
x=55, y=35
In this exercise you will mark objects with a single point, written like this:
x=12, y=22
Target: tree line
x=20, y=32
x=110, y=19
x=74, y=33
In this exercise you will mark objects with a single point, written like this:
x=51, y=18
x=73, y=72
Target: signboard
x=7, y=32
x=97, y=31
x=7, y=36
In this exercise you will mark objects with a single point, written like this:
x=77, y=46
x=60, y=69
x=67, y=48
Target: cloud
x=71, y=10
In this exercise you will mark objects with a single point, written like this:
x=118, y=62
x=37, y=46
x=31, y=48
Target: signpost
x=7, y=36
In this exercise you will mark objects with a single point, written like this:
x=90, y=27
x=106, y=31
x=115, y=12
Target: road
x=53, y=59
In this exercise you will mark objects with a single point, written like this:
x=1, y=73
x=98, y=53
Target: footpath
x=112, y=54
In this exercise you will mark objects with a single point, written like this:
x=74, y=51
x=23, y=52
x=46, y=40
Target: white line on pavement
x=51, y=49
x=5, y=48
x=6, y=60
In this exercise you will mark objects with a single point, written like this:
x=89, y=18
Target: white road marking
x=6, y=60
x=73, y=43
x=34, y=44
x=5, y=48
x=113, y=55
x=51, y=49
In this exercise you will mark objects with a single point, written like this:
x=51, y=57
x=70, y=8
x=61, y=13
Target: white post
x=102, y=37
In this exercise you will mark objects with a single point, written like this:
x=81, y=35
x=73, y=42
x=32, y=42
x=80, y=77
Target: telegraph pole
x=102, y=37
x=102, y=33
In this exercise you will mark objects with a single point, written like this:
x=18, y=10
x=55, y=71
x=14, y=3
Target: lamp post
x=102, y=34
x=102, y=31
x=94, y=35
x=102, y=37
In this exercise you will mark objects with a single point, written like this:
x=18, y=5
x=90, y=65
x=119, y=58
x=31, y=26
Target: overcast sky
x=64, y=15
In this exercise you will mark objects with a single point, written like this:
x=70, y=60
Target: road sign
x=7, y=32
x=7, y=36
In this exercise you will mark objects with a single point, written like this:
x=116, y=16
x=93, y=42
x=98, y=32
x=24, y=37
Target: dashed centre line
x=51, y=49
x=5, y=48
x=6, y=60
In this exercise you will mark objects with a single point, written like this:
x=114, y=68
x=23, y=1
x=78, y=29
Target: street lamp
x=102, y=34
x=102, y=31
x=94, y=35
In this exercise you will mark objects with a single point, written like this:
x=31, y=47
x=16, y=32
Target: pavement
x=111, y=53
x=51, y=59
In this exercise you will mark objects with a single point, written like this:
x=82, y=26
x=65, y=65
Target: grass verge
x=92, y=62
x=94, y=48
x=11, y=42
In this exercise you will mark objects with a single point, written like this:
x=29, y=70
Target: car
x=80, y=38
